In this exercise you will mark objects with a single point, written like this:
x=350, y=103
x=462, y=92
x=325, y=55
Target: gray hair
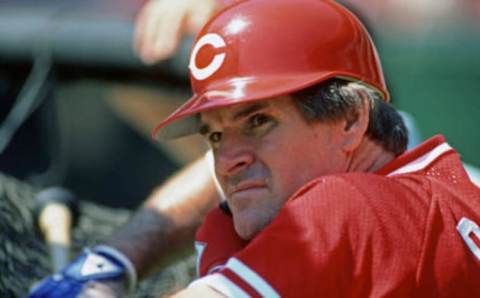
x=336, y=99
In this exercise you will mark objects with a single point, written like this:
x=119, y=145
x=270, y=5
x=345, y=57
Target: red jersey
x=408, y=230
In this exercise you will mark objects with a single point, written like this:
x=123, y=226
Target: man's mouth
x=246, y=186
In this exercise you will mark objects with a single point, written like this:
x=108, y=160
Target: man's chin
x=244, y=233
x=247, y=226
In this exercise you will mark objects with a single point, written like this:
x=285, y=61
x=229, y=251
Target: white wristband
x=122, y=258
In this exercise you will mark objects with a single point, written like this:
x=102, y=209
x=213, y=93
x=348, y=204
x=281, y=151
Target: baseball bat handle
x=55, y=222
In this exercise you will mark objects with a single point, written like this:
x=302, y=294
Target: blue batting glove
x=102, y=264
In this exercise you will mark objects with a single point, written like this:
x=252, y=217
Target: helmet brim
x=186, y=120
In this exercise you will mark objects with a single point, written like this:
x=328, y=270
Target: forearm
x=165, y=225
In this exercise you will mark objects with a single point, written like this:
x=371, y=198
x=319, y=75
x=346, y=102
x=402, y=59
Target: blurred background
x=429, y=50
x=77, y=105
x=89, y=103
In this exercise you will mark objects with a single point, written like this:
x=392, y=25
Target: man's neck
x=369, y=157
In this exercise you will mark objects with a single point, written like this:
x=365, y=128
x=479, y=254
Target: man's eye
x=259, y=120
x=215, y=137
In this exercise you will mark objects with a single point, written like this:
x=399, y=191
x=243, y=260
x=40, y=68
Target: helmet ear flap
x=254, y=50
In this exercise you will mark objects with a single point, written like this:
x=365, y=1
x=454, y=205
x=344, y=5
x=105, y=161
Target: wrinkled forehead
x=230, y=115
x=235, y=113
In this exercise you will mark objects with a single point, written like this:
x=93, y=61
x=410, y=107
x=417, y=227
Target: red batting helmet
x=257, y=49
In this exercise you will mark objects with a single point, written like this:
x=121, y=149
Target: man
x=292, y=100
x=312, y=167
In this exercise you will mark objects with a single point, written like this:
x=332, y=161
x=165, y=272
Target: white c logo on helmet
x=214, y=40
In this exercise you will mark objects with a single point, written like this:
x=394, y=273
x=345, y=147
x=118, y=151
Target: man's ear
x=356, y=124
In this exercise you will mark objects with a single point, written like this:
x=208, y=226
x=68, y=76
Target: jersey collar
x=418, y=158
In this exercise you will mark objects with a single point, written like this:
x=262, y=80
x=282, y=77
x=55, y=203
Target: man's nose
x=232, y=157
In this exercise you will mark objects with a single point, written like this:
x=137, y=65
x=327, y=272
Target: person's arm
x=162, y=228
x=167, y=221
x=161, y=24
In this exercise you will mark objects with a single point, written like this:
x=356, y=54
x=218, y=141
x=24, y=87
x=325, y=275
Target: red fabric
x=245, y=286
x=220, y=239
x=370, y=235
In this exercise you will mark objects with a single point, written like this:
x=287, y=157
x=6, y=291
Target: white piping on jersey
x=221, y=284
x=252, y=278
x=423, y=161
x=199, y=248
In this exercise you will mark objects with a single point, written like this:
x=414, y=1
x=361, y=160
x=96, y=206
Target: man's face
x=264, y=152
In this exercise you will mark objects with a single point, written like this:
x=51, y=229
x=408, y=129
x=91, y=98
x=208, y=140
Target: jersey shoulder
x=361, y=204
x=366, y=190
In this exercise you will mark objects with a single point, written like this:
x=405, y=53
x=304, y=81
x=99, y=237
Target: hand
x=98, y=273
x=161, y=24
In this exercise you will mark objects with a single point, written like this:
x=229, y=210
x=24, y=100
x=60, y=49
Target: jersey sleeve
x=330, y=240
x=306, y=248
x=216, y=241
